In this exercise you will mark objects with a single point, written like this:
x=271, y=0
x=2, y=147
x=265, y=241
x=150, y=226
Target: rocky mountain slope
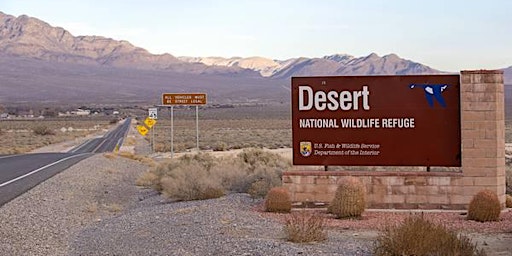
x=339, y=64
x=29, y=37
x=42, y=63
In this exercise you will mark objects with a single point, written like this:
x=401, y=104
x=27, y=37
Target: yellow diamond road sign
x=150, y=122
x=142, y=130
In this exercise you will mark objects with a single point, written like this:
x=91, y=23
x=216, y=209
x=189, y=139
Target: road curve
x=19, y=173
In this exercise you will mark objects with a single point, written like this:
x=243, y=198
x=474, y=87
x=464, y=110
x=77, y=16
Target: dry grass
x=114, y=208
x=222, y=134
x=91, y=207
x=19, y=136
x=109, y=155
x=142, y=159
x=305, y=227
x=418, y=236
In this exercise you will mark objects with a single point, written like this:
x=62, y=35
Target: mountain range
x=39, y=61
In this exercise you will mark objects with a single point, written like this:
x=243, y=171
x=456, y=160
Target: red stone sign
x=184, y=99
x=376, y=120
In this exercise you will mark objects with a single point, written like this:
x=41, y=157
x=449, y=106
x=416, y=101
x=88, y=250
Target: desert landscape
x=113, y=191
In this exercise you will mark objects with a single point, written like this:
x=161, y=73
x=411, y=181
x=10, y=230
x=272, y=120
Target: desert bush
x=278, y=200
x=508, y=202
x=485, y=206
x=147, y=179
x=43, y=130
x=220, y=146
x=418, y=236
x=262, y=170
x=305, y=227
x=200, y=173
x=191, y=181
x=350, y=198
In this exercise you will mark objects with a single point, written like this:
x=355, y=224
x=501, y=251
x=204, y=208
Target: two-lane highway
x=107, y=143
x=19, y=173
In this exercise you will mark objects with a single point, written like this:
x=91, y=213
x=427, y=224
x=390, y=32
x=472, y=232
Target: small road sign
x=149, y=122
x=195, y=99
x=153, y=113
x=142, y=130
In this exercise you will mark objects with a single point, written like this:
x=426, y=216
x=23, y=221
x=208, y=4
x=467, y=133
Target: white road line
x=80, y=146
x=101, y=144
x=40, y=169
x=3, y=157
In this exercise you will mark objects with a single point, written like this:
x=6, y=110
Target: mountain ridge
x=24, y=36
x=337, y=64
x=39, y=62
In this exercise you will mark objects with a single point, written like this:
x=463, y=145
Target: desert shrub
x=262, y=171
x=220, y=146
x=305, y=227
x=418, y=236
x=485, y=206
x=278, y=200
x=242, y=173
x=350, y=198
x=191, y=182
x=508, y=202
x=147, y=179
x=255, y=158
x=43, y=130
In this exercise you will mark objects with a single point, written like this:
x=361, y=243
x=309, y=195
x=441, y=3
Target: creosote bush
x=278, y=200
x=43, y=130
x=485, y=206
x=201, y=176
x=305, y=227
x=508, y=202
x=418, y=236
x=350, y=198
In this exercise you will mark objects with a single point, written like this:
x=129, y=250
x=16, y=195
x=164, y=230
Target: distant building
x=4, y=116
x=81, y=112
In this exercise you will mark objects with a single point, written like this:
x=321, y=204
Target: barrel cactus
x=278, y=200
x=350, y=198
x=485, y=206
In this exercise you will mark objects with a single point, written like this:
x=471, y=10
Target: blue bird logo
x=433, y=91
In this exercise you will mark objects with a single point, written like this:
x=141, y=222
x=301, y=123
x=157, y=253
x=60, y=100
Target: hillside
x=339, y=64
x=43, y=63
x=31, y=81
x=24, y=36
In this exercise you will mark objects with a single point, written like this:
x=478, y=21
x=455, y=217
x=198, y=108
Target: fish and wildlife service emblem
x=305, y=148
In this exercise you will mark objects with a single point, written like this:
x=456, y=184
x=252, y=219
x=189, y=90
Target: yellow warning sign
x=150, y=122
x=142, y=130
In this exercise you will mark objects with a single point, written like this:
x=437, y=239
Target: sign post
x=184, y=99
x=150, y=123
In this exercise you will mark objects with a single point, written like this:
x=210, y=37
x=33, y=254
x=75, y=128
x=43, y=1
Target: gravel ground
x=94, y=208
x=44, y=220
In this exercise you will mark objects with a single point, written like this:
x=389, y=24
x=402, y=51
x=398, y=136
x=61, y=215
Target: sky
x=450, y=35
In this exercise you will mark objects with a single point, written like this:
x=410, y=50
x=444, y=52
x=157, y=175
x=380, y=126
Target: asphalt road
x=19, y=173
